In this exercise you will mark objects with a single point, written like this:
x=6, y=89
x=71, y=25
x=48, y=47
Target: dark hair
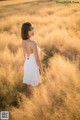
x=24, y=30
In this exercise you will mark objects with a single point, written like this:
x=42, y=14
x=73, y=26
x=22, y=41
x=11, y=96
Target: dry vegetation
x=57, y=32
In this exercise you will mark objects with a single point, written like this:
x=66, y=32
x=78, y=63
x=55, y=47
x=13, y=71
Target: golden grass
x=11, y=2
x=57, y=32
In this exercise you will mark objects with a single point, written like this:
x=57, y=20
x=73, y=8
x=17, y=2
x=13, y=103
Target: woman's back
x=31, y=69
x=27, y=47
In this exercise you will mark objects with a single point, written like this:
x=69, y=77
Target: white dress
x=31, y=70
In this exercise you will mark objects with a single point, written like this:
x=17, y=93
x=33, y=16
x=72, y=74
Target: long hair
x=24, y=30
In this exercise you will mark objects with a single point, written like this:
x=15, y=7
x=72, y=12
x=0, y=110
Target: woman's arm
x=35, y=51
x=24, y=53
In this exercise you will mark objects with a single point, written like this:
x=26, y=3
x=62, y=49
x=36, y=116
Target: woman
x=32, y=65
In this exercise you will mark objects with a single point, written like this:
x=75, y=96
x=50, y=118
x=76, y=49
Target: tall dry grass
x=57, y=32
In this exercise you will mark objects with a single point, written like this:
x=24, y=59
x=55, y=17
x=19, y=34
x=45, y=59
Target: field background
x=57, y=32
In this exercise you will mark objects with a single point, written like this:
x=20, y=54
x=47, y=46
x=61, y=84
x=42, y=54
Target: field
x=57, y=32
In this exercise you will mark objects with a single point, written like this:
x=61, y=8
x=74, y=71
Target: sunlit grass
x=11, y=2
x=57, y=32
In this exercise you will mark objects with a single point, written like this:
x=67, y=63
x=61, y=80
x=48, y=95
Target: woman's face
x=31, y=31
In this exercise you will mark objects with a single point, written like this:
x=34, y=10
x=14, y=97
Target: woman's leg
x=27, y=90
x=30, y=87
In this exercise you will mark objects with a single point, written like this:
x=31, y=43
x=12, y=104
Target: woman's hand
x=40, y=71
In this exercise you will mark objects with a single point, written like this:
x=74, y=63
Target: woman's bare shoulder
x=23, y=41
x=33, y=43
